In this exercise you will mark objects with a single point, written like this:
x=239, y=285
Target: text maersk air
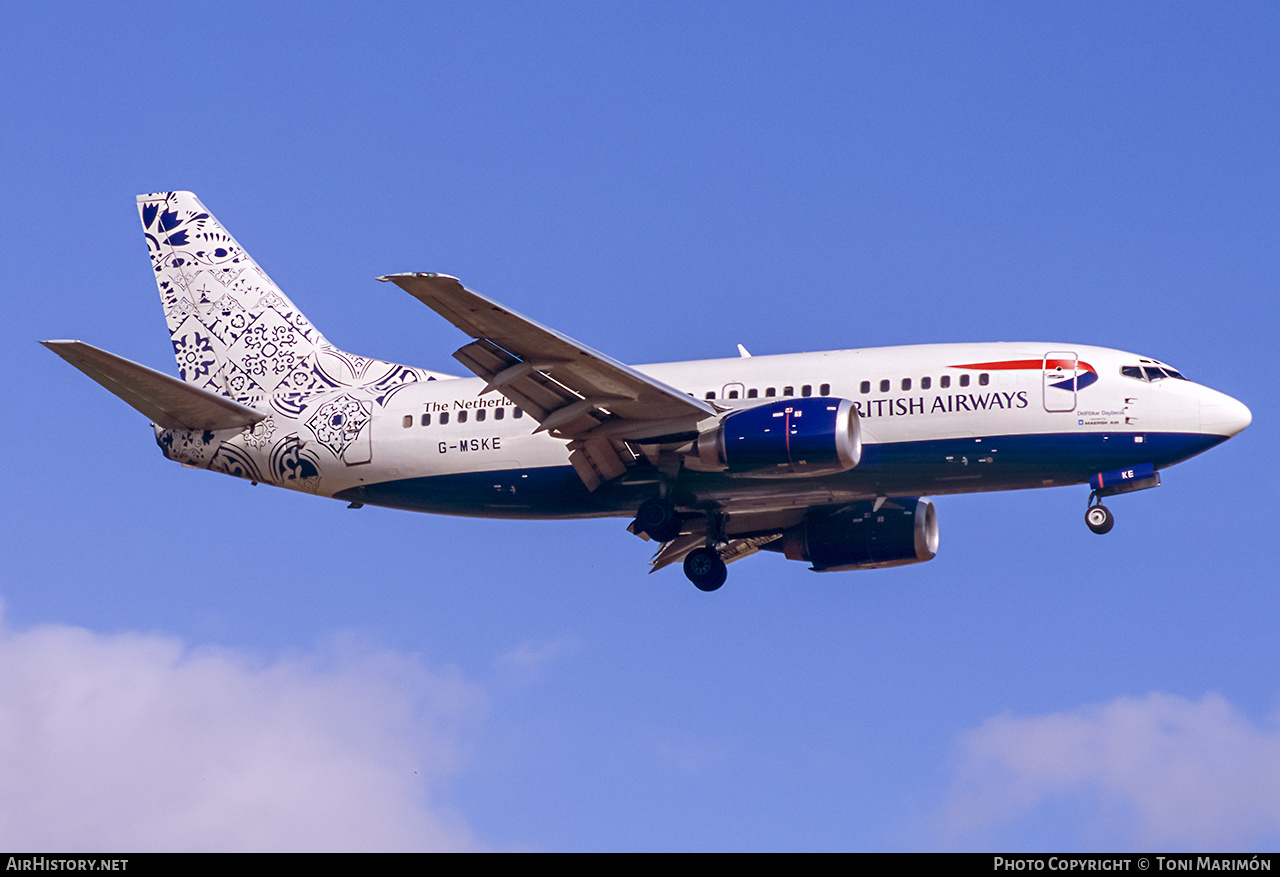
x=902, y=406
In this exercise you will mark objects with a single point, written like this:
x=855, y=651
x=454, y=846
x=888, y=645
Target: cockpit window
x=1150, y=372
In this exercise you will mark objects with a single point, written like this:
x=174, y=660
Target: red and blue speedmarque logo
x=1077, y=373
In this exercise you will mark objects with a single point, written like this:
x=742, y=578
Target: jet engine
x=859, y=536
x=815, y=435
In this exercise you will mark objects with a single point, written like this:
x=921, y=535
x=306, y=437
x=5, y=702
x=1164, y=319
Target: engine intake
x=902, y=531
x=817, y=435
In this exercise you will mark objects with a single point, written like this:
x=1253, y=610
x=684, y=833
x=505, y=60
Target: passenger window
x=926, y=383
x=752, y=393
x=884, y=386
x=788, y=391
x=518, y=413
x=944, y=381
x=733, y=394
x=426, y=419
x=408, y=421
x=906, y=383
x=984, y=379
x=480, y=415
x=964, y=380
x=865, y=387
x=444, y=417
x=499, y=413
x=462, y=416
x=825, y=390
x=770, y=391
x=806, y=390
x=711, y=394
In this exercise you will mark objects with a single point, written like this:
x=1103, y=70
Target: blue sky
x=188, y=662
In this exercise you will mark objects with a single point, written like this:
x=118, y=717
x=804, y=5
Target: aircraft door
x=1059, y=379
x=733, y=391
x=360, y=448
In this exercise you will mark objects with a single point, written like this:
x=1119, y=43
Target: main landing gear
x=1098, y=517
x=705, y=569
x=658, y=518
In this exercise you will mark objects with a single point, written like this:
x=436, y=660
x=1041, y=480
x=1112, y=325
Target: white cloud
x=1159, y=772
x=527, y=661
x=133, y=742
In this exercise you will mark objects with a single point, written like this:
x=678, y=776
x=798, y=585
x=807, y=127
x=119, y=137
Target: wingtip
x=411, y=274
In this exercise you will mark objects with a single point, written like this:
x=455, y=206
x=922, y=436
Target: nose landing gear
x=1117, y=481
x=1099, y=519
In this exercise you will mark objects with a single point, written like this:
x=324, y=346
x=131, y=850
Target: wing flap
x=599, y=460
x=166, y=401
x=532, y=390
x=736, y=549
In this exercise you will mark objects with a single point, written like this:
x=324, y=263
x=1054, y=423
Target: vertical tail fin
x=234, y=332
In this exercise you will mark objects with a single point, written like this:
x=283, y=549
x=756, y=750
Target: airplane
x=829, y=458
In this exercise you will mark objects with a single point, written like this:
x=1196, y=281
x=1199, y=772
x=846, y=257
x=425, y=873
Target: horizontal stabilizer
x=168, y=402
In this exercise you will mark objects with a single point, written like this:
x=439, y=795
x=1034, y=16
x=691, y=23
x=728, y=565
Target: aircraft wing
x=573, y=392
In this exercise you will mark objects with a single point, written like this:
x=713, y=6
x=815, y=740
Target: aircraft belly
x=543, y=492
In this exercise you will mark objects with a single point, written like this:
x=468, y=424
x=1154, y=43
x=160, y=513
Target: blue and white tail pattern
x=234, y=332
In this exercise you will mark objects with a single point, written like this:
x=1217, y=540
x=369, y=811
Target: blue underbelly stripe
x=936, y=467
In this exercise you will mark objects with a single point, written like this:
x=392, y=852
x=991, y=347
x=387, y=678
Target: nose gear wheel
x=1099, y=519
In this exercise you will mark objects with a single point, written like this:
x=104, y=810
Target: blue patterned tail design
x=234, y=332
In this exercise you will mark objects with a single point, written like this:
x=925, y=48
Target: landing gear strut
x=705, y=569
x=1099, y=518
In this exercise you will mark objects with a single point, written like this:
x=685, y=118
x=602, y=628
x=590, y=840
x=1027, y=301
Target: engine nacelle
x=902, y=531
x=814, y=435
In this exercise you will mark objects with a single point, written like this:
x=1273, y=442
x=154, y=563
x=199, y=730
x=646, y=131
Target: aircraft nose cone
x=1222, y=415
